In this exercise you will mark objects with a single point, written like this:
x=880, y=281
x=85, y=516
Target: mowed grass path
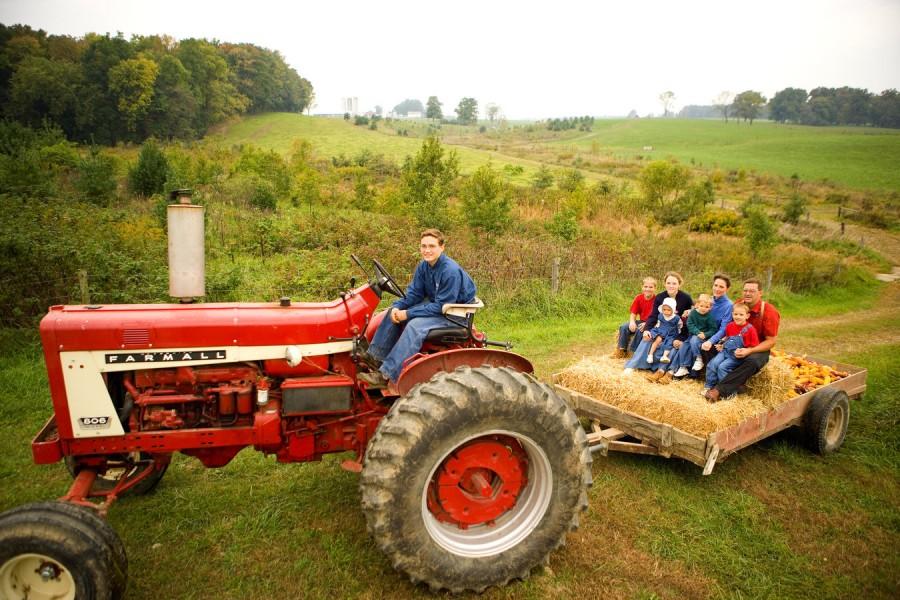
x=861, y=157
x=333, y=137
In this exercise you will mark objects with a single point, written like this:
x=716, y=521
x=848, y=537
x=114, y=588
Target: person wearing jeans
x=438, y=280
x=739, y=335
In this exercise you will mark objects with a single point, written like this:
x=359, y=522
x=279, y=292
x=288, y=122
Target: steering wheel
x=386, y=281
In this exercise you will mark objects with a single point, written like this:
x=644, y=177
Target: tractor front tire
x=474, y=477
x=53, y=550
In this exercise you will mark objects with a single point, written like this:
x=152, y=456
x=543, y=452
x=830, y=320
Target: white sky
x=534, y=59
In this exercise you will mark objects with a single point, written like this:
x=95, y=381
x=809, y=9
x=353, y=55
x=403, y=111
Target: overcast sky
x=534, y=59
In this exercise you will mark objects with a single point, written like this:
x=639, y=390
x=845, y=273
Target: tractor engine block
x=189, y=397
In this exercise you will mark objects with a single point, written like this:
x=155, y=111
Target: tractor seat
x=440, y=335
x=462, y=315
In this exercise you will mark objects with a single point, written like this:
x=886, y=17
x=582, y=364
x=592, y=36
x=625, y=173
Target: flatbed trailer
x=824, y=412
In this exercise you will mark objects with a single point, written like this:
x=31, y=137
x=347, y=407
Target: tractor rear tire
x=53, y=550
x=827, y=419
x=489, y=425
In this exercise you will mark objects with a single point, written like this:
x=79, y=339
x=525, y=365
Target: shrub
x=542, y=179
x=794, y=209
x=663, y=182
x=426, y=181
x=762, y=235
x=564, y=225
x=753, y=202
x=570, y=180
x=267, y=165
x=263, y=195
x=716, y=220
x=96, y=176
x=148, y=175
x=485, y=199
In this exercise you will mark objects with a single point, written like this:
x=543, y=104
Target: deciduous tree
x=788, y=104
x=748, y=104
x=668, y=100
x=467, y=111
x=433, y=109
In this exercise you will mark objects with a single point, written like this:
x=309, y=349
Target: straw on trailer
x=680, y=403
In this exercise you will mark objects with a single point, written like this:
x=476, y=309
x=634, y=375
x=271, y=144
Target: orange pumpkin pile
x=808, y=375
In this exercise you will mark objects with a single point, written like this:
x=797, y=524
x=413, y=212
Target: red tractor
x=472, y=470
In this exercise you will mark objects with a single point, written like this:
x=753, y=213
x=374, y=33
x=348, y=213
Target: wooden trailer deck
x=611, y=424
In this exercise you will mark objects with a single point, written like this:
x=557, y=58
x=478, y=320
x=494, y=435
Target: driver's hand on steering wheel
x=398, y=316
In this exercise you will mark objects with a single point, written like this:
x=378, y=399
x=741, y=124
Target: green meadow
x=859, y=157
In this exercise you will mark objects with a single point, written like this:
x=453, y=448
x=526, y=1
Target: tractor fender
x=425, y=368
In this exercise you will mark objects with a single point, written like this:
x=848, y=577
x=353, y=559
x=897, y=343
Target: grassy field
x=333, y=137
x=857, y=157
x=860, y=157
x=774, y=521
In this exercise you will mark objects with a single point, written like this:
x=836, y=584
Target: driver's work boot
x=373, y=380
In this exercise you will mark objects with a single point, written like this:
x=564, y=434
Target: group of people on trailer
x=667, y=333
x=672, y=336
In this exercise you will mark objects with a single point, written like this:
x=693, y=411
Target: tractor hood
x=147, y=326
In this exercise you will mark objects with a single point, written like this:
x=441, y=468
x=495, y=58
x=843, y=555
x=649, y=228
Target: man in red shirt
x=765, y=319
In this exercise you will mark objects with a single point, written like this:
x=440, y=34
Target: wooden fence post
x=554, y=276
x=83, y=284
x=769, y=278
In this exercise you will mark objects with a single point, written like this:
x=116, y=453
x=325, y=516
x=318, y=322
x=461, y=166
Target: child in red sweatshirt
x=738, y=334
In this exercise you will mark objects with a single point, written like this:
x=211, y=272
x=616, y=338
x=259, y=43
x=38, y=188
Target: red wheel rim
x=479, y=481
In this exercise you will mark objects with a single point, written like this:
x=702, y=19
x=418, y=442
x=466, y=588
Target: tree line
x=836, y=106
x=106, y=89
x=821, y=106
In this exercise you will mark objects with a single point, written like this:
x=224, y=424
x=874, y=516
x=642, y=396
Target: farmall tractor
x=472, y=470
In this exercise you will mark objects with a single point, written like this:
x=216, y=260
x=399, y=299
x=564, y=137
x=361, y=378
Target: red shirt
x=642, y=306
x=750, y=338
x=767, y=326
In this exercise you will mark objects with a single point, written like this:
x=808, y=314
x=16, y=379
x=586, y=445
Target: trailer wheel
x=474, y=477
x=47, y=552
x=131, y=464
x=826, y=420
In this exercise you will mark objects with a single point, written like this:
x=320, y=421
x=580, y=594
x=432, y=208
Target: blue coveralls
x=725, y=361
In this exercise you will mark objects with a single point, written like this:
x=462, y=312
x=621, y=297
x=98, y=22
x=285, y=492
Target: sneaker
x=665, y=358
x=698, y=364
x=649, y=359
x=627, y=371
x=681, y=372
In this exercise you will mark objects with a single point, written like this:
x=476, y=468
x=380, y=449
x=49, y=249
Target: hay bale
x=680, y=403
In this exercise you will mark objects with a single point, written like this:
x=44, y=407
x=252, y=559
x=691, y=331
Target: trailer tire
x=475, y=427
x=48, y=551
x=826, y=420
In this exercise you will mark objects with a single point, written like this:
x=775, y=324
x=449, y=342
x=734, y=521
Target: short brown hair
x=724, y=278
x=741, y=305
x=676, y=275
x=754, y=280
x=435, y=233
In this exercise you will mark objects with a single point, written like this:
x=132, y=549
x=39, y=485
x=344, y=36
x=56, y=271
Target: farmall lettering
x=164, y=357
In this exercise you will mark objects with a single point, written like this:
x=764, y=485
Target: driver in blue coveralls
x=438, y=280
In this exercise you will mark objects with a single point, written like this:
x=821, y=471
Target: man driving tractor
x=437, y=280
